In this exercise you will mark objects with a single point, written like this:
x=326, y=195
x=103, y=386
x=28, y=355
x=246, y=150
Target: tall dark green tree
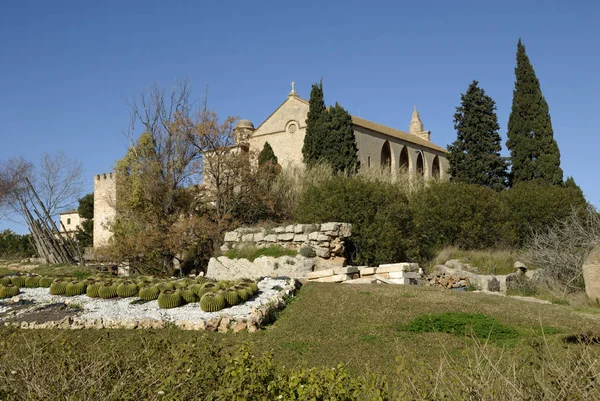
x=340, y=149
x=317, y=125
x=533, y=150
x=475, y=155
x=267, y=155
x=85, y=233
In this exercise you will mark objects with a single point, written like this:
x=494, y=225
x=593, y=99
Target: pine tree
x=340, y=150
x=267, y=155
x=533, y=150
x=475, y=155
x=317, y=124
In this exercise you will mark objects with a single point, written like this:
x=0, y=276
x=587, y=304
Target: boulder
x=591, y=274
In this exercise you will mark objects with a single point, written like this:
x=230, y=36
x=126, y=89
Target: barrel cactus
x=231, y=297
x=222, y=284
x=251, y=283
x=248, y=288
x=75, y=288
x=18, y=281
x=212, y=302
x=188, y=295
x=127, y=289
x=243, y=292
x=169, y=299
x=107, y=290
x=92, y=289
x=8, y=291
x=5, y=280
x=202, y=279
x=184, y=282
x=165, y=286
x=149, y=293
x=207, y=287
x=58, y=287
x=46, y=282
x=32, y=282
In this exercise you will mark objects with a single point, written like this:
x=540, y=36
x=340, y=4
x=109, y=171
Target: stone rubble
x=395, y=273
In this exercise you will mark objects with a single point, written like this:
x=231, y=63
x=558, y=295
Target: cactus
x=169, y=299
x=107, y=290
x=18, y=281
x=5, y=281
x=251, y=283
x=127, y=289
x=165, y=286
x=212, y=302
x=58, y=287
x=207, y=287
x=46, y=282
x=8, y=291
x=92, y=290
x=242, y=293
x=188, y=295
x=223, y=284
x=149, y=293
x=248, y=288
x=32, y=282
x=75, y=288
x=202, y=279
x=231, y=296
x=184, y=282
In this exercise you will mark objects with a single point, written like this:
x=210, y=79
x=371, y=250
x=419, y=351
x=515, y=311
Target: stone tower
x=416, y=126
x=105, y=195
x=243, y=130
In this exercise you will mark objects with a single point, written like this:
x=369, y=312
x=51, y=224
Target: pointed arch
x=386, y=156
x=403, y=159
x=435, y=168
x=420, y=165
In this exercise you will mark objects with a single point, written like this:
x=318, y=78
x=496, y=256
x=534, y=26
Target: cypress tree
x=316, y=126
x=340, y=149
x=267, y=155
x=475, y=155
x=533, y=150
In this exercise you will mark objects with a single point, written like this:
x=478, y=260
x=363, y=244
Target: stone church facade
x=378, y=145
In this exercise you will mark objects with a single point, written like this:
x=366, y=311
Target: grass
x=496, y=262
x=251, y=252
x=329, y=324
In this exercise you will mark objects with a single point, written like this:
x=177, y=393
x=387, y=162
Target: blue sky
x=68, y=68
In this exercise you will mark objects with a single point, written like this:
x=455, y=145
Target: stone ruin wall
x=105, y=192
x=326, y=239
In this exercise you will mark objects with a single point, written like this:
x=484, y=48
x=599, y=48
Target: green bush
x=467, y=216
x=532, y=206
x=381, y=219
x=307, y=252
x=15, y=246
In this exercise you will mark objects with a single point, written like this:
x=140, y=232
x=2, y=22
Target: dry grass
x=496, y=261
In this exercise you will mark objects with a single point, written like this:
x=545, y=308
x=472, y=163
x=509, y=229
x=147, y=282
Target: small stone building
x=378, y=145
x=69, y=222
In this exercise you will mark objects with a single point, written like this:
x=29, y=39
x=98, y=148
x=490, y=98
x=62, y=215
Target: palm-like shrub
x=127, y=289
x=212, y=302
x=32, y=282
x=169, y=299
x=8, y=291
x=149, y=293
x=107, y=290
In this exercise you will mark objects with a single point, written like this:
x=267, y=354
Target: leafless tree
x=12, y=174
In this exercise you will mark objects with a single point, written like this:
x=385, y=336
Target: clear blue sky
x=67, y=68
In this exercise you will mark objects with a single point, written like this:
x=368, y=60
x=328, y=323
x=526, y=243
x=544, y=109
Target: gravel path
x=121, y=309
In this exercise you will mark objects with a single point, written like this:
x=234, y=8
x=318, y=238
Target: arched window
x=404, y=159
x=435, y=168
x=386, y=156
x=420, y=165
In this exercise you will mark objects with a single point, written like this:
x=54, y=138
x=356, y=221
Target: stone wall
x=105, y=193
x=327, y=239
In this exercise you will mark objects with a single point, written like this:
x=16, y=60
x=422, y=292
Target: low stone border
x=223, y=323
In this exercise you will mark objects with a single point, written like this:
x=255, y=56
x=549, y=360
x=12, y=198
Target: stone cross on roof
x=293, y=92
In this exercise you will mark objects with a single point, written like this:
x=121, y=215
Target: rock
x=300, y=238
x=285, y=237
x=520, y=267
x=319, y=274
x=454, y=264
x=289, y=229
x=591, y=274
x=238, y=326
x=129, y=324
x=270, y=238
x=231, y=236
x=299, y=228
x=493, y=285
x=332, y=228
x=212, y=324
x=398, y=267
x=279, y=230
x=322, y=252
x=224, y=248
x=258, y=237
x=247, y=237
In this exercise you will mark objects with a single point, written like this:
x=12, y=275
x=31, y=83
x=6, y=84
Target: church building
x=378, y=145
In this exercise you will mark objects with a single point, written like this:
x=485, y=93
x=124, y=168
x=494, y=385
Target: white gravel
x=122, y=310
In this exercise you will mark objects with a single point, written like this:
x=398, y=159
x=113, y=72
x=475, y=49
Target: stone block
x=399, y=275
x=299, y=228
x=285, y=237
x=367, y=271
x=330, y=227
x=258, y=237
x=398, y=267
x=300, y=238
x=232, y=236
x=345, y=230
x=248, y=238
x=322, y=252
x=270, y=238
x=338, y=278
x=224, y=248
x=289, y=229
x=362, y=280
x=346, y=270
x=405, y=281
x=279, y=230
x=319, y=274
x=313, y=236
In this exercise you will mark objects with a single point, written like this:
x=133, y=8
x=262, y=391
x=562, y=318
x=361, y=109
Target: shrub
x=467, y=216
x=13, y=245
x=307, y=252
x=533, y=207
x=250, y=252
x=379, y=213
